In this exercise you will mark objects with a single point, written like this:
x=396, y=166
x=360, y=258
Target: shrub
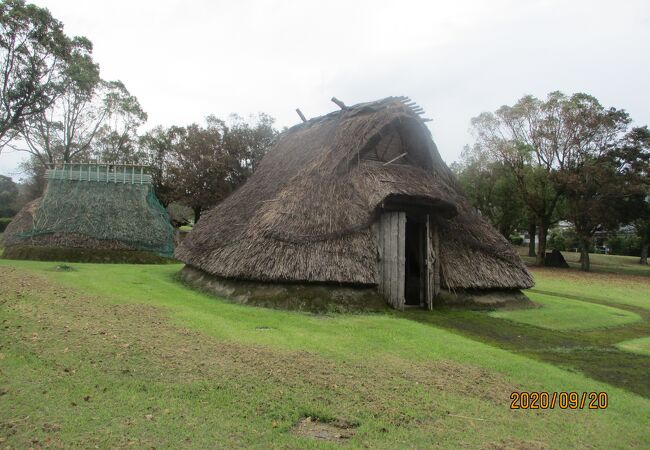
x=625, y=245
x=4, y=221
x=516, y=240
x=562, y=240
x=556, y=241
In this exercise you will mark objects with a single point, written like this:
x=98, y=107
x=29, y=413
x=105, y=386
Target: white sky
x=187, y=59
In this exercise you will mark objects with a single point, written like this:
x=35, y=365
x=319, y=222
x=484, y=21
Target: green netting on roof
x=127, y=213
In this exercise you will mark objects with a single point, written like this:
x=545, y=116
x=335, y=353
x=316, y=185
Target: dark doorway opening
x=414, y=261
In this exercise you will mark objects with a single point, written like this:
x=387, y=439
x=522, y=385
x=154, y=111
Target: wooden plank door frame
x=427, y=281
x=391, y=240
x=392, y=253
x=422, y=258
x=433, y=262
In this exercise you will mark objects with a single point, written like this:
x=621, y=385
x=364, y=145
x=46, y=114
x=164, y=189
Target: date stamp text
x=560, y=400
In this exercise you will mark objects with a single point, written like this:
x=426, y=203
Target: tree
x=594, y=191
x=156, y=150
x=8, y=197
x=198, y=166
x=643, y=231
x=117, y=139
x=598, y=170
x=511, y=136
x=247, y=143
x=63, y=131
x=537, y=140
x=636, y=146
x=491, y=188
x=88, y=120
x=179, y=215
x=34, y=183
x=35, y=59
x=70, y=130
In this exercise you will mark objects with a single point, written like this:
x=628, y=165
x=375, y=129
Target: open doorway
x=415, y=251
x=409, y=266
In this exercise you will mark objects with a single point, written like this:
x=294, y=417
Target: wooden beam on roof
x=395, y=159
x=339, y=103
x=302, y=116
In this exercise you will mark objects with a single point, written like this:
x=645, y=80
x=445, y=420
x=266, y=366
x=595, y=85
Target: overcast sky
x=187, y=59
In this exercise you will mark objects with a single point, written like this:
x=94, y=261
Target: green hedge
x=563, y=240
x=4, y=221
x=625, y=245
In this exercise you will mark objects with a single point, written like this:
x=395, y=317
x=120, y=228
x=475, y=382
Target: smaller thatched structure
x=359, y=197
x=94, y=212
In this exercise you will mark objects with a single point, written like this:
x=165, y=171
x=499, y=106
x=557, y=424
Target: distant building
x=94, y=211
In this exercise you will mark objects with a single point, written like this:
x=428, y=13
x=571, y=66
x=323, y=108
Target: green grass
x=120, y=355
x=619, y=263
x=599, y=263
x=639, y=345
x=557, y=313
x=594, y=287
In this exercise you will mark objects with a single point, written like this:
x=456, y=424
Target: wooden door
x=392, y=249
x=432, y=279
x=428, y=265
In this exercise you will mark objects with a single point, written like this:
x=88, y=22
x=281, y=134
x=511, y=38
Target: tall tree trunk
x=532, y=230
x=585, y=243
x=542, y=231
x=197, y=214
x=644, y=253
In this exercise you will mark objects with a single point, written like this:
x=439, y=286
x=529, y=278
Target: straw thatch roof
x=307, y=213
x=93, y=214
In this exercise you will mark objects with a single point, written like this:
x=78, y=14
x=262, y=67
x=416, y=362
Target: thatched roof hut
x=93, y=212
x=360, y=197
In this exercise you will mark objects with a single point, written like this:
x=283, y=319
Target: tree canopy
x=8, y=196
x=565, y=151
x=491, y=188
x=199, y=165
x=37, y=61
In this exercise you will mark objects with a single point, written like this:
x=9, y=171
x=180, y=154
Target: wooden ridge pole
x=302, y=116
x=339, y=103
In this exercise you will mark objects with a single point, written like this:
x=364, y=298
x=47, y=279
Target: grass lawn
x=558, y=313
x=124, y=355
x=639, y=345
x=617, y=263
x=600, y=263
x=594, y=287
